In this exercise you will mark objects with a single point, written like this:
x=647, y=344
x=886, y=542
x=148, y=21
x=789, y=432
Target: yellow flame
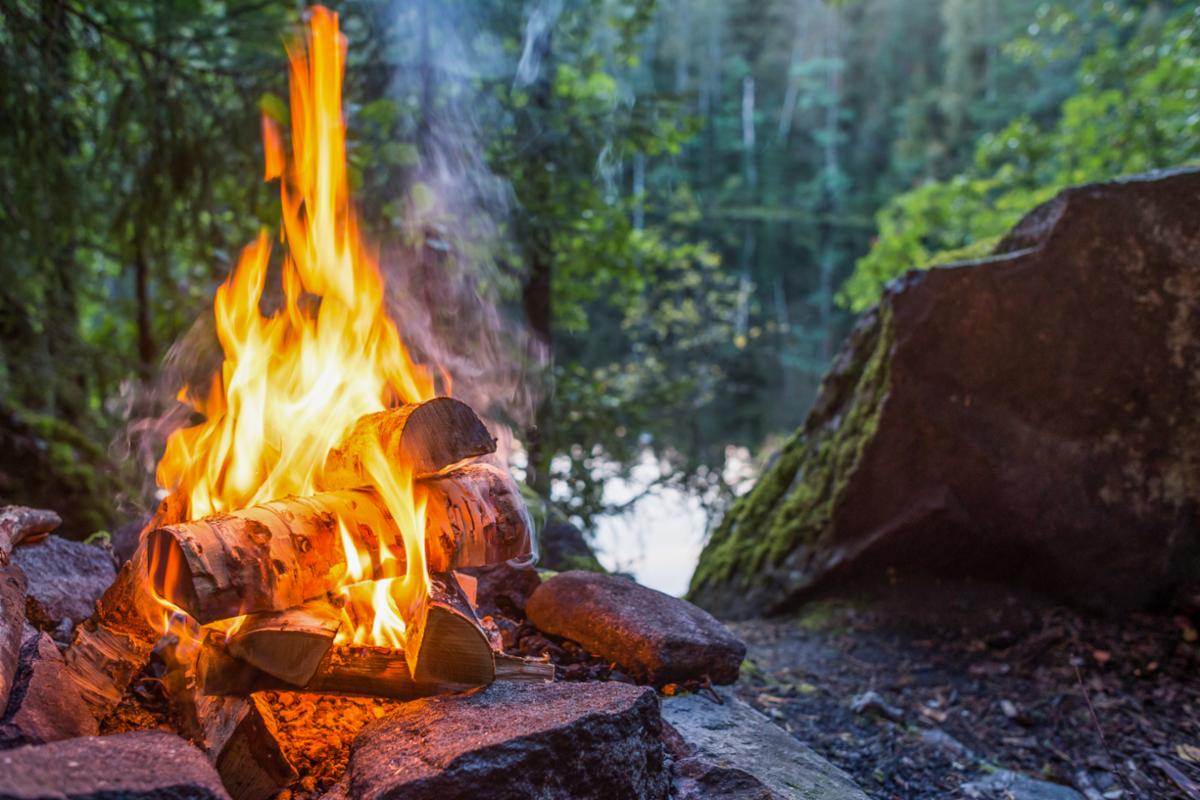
x=293, y=382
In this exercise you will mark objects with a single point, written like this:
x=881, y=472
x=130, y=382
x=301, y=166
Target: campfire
x=316, y=517
x=337, y=545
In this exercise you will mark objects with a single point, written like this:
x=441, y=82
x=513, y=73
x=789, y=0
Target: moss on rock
x=792, y=503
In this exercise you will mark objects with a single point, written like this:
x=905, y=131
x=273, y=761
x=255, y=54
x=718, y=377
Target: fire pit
x=315, y=562
x=318, y=513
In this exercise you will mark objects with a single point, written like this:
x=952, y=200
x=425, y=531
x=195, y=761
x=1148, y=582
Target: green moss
x=792, y=503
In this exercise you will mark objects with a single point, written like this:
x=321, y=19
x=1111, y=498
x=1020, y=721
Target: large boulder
x=1031, y=417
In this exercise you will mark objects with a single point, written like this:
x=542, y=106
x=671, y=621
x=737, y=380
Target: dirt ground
x=970, y=679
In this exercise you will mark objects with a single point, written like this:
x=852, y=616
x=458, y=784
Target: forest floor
x=971, y=681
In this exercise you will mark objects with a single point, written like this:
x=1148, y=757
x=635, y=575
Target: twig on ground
x=1100, y=733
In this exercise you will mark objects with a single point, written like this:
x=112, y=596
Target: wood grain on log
x=288, y=552
x=21, y=524
x=426, y=437
x=445, y=643
x=240, y=735
x=111, y=647
x=287, y=644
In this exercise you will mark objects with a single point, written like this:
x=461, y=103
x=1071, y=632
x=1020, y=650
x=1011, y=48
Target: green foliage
x=1136, y=109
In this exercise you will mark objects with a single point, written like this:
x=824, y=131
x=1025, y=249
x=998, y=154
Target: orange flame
x=293, y=382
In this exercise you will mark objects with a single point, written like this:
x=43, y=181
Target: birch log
x=288, y=552
x=425, y=437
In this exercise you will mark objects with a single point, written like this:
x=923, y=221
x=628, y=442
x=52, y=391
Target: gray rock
x=1004, y=784
x=731, y=750
x=65, y=579
x=557, y=741
x=651, y=635
x=1023, y=417
x=132, y=766
x=44, y=706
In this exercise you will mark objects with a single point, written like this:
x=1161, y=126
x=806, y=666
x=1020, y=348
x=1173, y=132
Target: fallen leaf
x=1188, y=753
x=933, y=714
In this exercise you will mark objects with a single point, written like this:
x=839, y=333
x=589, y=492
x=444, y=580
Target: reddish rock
x=558, y=741
x=132, y=766
x=12, y=624
x=44, y=706
x=656, y=638
x=65, y=580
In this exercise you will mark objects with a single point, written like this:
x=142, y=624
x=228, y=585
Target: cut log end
x=287, y=644
x=427, y=437
x=448, y=644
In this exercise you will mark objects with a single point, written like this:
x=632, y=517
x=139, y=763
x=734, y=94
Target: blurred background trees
x=685, y=201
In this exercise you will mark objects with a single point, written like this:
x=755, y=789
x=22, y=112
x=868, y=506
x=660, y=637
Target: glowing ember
x=294, y=382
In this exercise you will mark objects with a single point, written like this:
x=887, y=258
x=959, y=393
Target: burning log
x=346, y=669
x=474, y=516
x=428, y=437
x=287, y=552
x=113, y=645
x=446, y=650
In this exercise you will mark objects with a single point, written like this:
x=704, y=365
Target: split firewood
x=112, y=646
x=445, y=643
x=288, y=552
x=241, y=737
x=426, y=437
x=20, y=524
x=287, y=644
x=12, y=622
x=346, y=669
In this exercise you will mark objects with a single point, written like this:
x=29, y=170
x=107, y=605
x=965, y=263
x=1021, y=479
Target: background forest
x=678, y=207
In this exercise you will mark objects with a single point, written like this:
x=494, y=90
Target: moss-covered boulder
x=1031, y=417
